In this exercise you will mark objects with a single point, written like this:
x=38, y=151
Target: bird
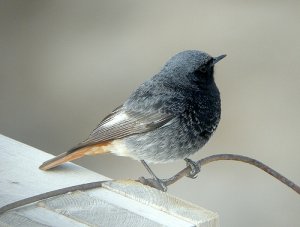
x=168, y=117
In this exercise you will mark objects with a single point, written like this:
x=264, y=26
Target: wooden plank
x=163, y=201
x=116, y=203
x=20, y=176
x=35, y=216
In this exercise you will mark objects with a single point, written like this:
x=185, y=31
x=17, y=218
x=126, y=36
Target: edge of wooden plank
x=21, y=178
x=163, y=201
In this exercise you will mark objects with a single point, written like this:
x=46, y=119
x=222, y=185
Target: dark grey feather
x=136, y=122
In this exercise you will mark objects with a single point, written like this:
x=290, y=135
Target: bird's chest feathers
x=201, y=113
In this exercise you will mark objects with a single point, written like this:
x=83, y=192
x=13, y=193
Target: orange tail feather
x=70, y=156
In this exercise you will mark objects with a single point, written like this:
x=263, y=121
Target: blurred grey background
x=64, y=65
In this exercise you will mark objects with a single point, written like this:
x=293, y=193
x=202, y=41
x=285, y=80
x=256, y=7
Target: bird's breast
x=202, y=115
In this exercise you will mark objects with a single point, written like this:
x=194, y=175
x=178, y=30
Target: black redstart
x=169, y=117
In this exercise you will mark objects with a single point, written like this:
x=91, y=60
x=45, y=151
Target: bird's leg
x=162, y=186
x=195, y=169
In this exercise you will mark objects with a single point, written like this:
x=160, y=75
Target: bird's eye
x=203, y=69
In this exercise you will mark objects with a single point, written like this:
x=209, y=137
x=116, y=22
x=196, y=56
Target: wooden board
x=116, y=203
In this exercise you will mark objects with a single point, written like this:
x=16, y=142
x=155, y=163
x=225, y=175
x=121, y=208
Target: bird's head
x=194, y=64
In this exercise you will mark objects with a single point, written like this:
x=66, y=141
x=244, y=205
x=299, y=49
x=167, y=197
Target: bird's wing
x=121, y=123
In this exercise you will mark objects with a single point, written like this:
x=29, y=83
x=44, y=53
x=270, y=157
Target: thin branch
x=23, y=202
x=153, y=183
x=218, y=157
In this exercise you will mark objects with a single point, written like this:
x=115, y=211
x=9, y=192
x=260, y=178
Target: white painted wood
x=167, y=203
x=116, y=203
x=151, y=213
x=21, y=177
x=35, y=216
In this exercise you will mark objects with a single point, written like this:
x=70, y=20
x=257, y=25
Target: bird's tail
x=73, y=154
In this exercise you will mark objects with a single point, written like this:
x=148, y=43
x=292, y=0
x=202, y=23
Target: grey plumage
x=193, y=102
x=168, y=117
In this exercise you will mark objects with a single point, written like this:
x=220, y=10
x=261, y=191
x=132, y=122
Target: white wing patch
x=121, y=123
x=121, y=117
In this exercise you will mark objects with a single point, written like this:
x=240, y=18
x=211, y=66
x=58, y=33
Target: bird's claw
x=162, y=186
x=195, y=169
x=155, y=183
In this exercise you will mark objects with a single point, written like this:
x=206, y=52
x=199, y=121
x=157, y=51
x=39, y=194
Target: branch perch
x=218, y=157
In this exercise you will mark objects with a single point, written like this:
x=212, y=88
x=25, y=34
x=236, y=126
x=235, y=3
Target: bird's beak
x=219, y=58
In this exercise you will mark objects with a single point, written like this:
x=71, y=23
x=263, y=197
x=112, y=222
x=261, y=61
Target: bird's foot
x=195, y=169
x=155, y=183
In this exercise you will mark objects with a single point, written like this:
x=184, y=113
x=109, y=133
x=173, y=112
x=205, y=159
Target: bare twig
x=23, y=202
x=185, y=172
x=218, y=157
